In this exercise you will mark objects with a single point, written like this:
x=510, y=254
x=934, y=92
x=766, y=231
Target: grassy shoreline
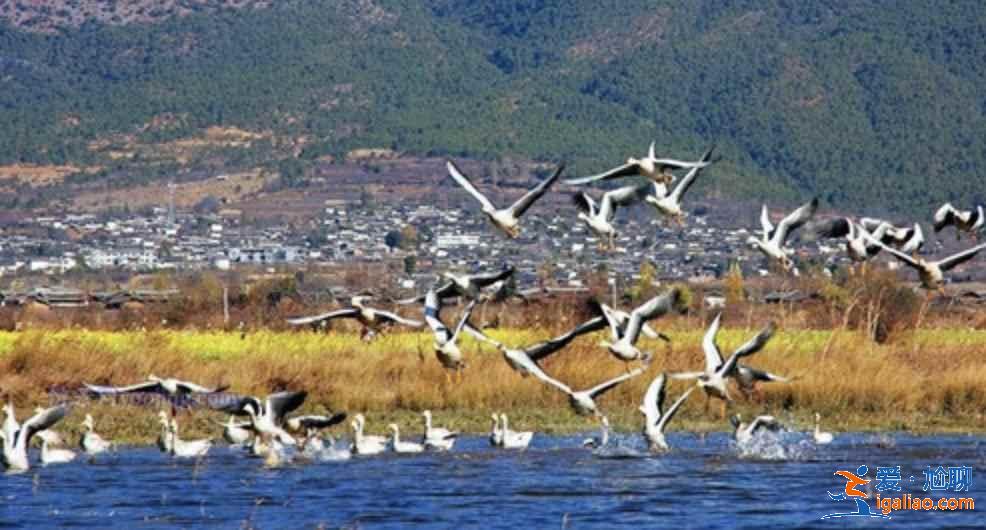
x=925, y=381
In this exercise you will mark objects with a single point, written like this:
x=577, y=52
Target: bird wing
x=482, y=280
x=480, y=336
x=764, y=422
x=682, y=187
x=713, y=357
x=621, y=197
x=602, y=388
x=538, y=373
x=462, y=321
x=768, y=227
x=468, y=186
x=685, y=375
x=611, y=318
x=339, y=313
x=654, y=399
x=585, y=203
x=394, y=317
x=944, y=216
x=541, y=350
x=871, y=223
x=655, y=307
x=762, y=375
x=282, y=403
x=432, y=310
x=915, y=241
x=793, y=221
x=752, y=346
x=192, y=388
x=626, y=170
x=146, y=386
x=39, y=422
x=838, y=227
x=518, y=208
x=896, y=253
x=320, y=422
x=673, y=409
x=957, y=259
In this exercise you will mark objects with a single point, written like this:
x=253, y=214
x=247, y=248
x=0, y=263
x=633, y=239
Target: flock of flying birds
x=268, y=427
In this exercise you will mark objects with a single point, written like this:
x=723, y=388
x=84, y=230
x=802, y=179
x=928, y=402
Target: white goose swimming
x=364, y=444
x=268, y=416
x=655, y=169
x=624, y=338
x=187, y=449
x=496, y=433
x=14, y=455
x=513, y=439
x=166, y=386
x=669, y=204
x=437, y=438
x=970, y=221
x=744, y=432
x=400, y=446
x=603, y=440
x=51, y=455
x=821, y=437
x=445, y=340
x=771, y=244
x=371, y=318
x=655, y=417
x=932, y=273
x=89, y=441
x=599, y=218
x=506, y=219
x=717, y=371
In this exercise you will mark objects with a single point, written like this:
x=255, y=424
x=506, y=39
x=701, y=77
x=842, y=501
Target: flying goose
x=859, y=245
x=187, y=449
x=525, y=360
x=446, y=341
x=603, y=440
x=267, y=416
x=14, y=454
x=907, y=240
x=467, y=285
x=655, y=418
x=437, y=438
x=583, y=402
x=656, y=169
x=50, y=455
x=90, y=442
x=669, y=204
x=365, y=444
x=820, y=437
x=599, y=218
x=166, y=386
x=506, y=219
x=372, y=319
x=747, y=378
x=963, y=220
x=744, y=432
x=624, y=338
x=236, y=432
x=772, y=242
x=717, y=371
x=513, y=439
x=399, y=446
x=932, y=273
x=303, y=423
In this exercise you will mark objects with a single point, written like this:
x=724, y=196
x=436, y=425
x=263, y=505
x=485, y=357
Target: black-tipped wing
x=544, y=349
x=686, y=183
x=793, y=221
x=601, y=389
x=147, y=386
x=394, y=317
x=319, y=422
x=44, y=419
x=655, y=307
x=626, y=170
x=957, y=259
x=835, y=228
x=944, y=216
x=673, y=409
x=283, y=403
x=752, y=346
x=518, y=208
x=584, y=203
x=339, y=313
x=483, y=280
x=467, y=184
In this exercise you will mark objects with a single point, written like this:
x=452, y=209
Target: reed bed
x=925, y=380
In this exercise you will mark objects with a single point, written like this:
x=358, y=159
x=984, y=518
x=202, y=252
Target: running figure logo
x=853, y=481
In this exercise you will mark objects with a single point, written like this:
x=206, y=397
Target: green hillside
x=863, y=103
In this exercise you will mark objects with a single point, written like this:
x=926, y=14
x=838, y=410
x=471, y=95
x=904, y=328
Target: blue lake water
x=704, y=483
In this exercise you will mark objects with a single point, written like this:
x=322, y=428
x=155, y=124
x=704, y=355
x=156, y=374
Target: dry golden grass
x=925, y=380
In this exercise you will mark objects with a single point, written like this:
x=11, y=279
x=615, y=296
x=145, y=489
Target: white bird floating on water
x=400, y=446
x=932, y=273
x=445, y=340
x=669, y=204
x=15, y=448
x=599, y=218
x=820, y=437
x=970, y=221
x=513, y=439
x=372, y=319
x=506, y=219
x=166, y=386
x=51, y=455
x=437, y=438
x=771, y=244
x=717, y=371
x=496, y=433
x=187, y=448
x=364, y=444
x=624, y=338
x=655, y=169
x=90, y=442
x=603, y=440
x=655, y=417
x=744, y=432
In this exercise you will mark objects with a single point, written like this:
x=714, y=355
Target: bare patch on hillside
x=609, y=44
